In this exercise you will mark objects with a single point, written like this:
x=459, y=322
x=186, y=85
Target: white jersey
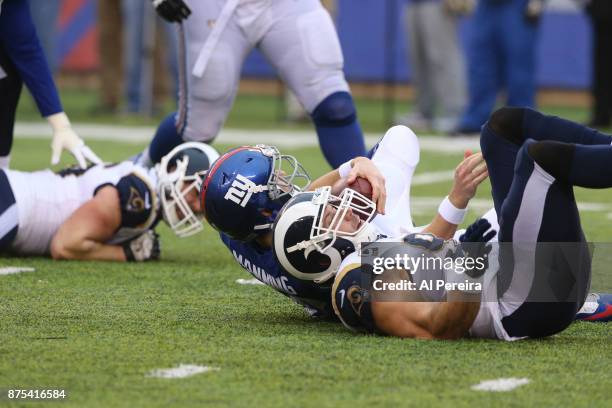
x=45, y=200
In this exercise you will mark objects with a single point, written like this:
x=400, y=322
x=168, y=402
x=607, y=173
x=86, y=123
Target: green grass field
x=96, y=329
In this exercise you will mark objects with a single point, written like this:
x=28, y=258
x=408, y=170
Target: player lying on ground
x=532, y=182
x=106, y=212
x=242, y=196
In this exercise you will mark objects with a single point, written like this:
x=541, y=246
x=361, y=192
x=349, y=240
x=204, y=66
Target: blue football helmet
x=247, y=186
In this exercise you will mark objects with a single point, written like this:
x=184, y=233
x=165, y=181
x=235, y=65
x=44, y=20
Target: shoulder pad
x=137, y=201
x=351, y=298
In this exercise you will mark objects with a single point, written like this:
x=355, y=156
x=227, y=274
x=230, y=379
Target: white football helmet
x=180, y=174
x=316, y=230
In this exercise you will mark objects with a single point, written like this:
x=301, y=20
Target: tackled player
x=532, y=184
x=105, y=212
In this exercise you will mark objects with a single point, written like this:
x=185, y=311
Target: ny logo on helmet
x=241, y=190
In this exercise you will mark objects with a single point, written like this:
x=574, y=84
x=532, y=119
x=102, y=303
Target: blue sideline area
x=364, y=26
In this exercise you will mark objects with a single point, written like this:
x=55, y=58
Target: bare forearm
x=441, y=228
x=89, y=250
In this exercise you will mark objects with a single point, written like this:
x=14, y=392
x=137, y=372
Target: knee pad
x=554, y=157
x=507, y=123
x=337, y=109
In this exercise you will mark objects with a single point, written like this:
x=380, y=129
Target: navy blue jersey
x=19, y=41
x=262, y=264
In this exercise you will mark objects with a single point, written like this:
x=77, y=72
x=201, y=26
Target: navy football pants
x=534, y=161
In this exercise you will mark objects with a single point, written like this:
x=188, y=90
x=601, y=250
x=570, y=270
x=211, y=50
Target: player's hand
x=468, y=175
x=65, y=138
x=474, y=244
x=365, y=168
x=459, y=7
x=477, y=232
x=143, y=248
x=173, y=11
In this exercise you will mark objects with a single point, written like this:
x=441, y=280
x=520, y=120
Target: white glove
x=65, y=138
x=143, y=248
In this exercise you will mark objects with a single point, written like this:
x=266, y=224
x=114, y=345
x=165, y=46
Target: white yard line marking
x=500, y=384
x=182, y=371
x=10, y=270
x=280, y=138
x=422, y=205
x=249, y=282
x=432, y=177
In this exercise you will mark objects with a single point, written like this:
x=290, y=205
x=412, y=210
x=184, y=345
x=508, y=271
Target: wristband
x=345, y=169
x=451, y=213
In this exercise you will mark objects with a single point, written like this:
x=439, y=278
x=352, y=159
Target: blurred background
x=114, y=61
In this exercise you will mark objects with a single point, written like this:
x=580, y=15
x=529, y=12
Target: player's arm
x=348, y=173
x=426, y=320
x=24, y=49
x=83, y=234
x=468, y=175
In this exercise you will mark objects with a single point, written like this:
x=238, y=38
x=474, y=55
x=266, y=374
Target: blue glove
x=474, y=244
x=476, y=232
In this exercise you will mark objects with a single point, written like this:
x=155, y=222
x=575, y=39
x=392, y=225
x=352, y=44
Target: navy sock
x=10, y=90
x=574, y=164
x=338, y=129
x=342, y=143
x=519, y=124
x=544, y=127
x=166, y=138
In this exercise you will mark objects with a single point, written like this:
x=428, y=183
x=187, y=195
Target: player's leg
x=507, y=129
x=396, y=156
x=10, y=89
x=484, y=76
x=302, y=44
x=518, y=40
x=207, y=100
x=8, y=213
x=538, y=126
x=421, y=78
x=444, y=64
x=544, y=272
